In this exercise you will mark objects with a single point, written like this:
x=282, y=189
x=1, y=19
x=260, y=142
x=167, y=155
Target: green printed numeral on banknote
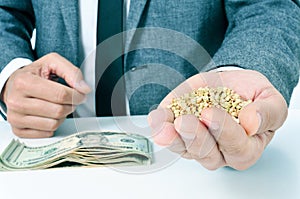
x=90, y=148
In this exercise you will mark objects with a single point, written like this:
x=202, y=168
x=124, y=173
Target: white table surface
x=276, y=174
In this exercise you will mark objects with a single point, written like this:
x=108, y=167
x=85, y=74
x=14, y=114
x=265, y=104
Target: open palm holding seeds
x=220, y=97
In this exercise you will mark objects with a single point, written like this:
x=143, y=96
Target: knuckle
x=53, y=55
x=12, y=119
x=53, y=125
x=19, y=132
x=240, y=166
x=62, y=95
x=75, y=74
x=20, y=83
x=15, y=104
x=208, y=163
x=62, y=111
x=215, y=164
x=211, y=163
x=48, y=134
x=77, y=71
x=12, y=103
x=59, y=112
x=211, y=167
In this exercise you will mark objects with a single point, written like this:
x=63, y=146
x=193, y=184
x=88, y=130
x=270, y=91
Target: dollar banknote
x=90, y=148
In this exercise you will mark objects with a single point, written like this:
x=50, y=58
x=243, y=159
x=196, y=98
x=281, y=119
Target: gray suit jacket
x=263, y=35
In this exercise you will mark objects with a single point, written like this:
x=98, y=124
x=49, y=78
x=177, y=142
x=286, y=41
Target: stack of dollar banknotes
x=80, y=149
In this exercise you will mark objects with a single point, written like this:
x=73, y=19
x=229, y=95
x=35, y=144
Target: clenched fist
x=36, y=104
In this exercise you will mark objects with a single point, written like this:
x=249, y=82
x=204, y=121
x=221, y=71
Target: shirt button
x=133, y=69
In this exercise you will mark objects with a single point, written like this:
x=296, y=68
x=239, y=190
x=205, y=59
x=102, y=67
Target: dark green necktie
x=110, y=23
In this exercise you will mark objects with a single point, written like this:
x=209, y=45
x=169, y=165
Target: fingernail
x=259, y=118
x=211, y=125
x=188, y=136
x=83, y=87
x=214, y=126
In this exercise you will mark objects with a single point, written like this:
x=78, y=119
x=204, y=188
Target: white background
x=295, y=101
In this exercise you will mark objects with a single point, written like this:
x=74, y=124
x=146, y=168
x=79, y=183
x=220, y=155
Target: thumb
x=58, y=65
x=263, y=115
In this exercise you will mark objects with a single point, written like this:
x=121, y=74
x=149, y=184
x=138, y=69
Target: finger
x=41, y=108
x=159, y=116
x=33, y=122
x=199, y=142
x=160, y=120
x=165, y=134
x=178, y=146
x=31, y=133
x=263, y=115
x=195, y=135
x=56, y=64
x=213, y=160
x=37, y=87
x=239, y=150
x=224, y=129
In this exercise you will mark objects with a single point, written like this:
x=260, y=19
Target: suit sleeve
x=16, y=27
x=264, y=35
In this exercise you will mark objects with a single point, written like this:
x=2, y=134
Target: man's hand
x=37, y=105
x=217, y=140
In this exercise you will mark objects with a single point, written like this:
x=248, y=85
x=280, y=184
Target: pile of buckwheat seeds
x=220, y=97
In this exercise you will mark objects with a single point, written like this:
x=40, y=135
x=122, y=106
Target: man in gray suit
x=261, y=37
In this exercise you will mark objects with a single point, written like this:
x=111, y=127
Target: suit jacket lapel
x=135, y=12
x=70, y=18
